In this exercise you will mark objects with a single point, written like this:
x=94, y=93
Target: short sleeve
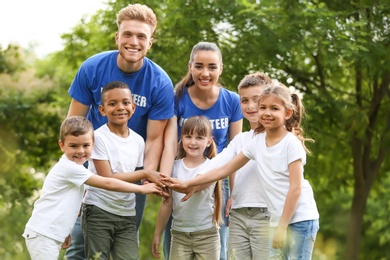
x=163, y=102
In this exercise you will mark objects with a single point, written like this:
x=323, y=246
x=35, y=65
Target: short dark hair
x=113, y=85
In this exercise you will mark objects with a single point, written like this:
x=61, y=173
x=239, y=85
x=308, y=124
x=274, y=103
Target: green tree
x=336, y=53
x=28, y=144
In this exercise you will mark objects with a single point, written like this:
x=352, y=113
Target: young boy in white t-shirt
x=109, y=218
x=55, y=212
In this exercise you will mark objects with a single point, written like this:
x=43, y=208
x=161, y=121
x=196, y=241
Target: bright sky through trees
x=40, y=23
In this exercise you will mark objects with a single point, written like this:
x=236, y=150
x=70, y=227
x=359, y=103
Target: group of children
x=273, y=214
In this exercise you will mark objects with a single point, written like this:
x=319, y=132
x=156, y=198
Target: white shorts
x=41, y=247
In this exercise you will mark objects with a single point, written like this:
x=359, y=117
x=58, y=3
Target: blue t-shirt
x=227, y=109
x=151, y=87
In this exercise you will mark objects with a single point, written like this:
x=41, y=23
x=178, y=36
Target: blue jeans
x=224, y=227
x=76, y=249
x=223, y=231
x=167, y=238
x=140, y=201
x=300, y=241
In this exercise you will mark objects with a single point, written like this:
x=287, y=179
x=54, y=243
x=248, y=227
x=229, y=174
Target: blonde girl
x=280, y=154
x=195, y=223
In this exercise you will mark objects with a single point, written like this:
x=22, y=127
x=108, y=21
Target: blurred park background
x=336, y=53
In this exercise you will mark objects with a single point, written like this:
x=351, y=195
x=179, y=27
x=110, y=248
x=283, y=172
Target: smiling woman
x=42, y=24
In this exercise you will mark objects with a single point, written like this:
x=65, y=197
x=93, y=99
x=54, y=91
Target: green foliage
x=147, y=227
x=28, y=144
x=336, y=53
x=377, y=227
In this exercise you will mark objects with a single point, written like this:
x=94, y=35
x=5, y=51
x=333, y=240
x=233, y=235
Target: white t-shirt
x=247, y=190
x=56, y=210
x=272, y=163
x=124, y=155
x=196, y=213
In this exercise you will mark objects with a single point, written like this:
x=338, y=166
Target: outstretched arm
x=103, y=168
x=209, y=177
x=118, y=185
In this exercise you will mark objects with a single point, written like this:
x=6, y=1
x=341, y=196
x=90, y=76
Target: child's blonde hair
x=290, y=101
x=75, y=125
x=254, y=79
x=200, y=125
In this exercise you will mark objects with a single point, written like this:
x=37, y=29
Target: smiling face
x=117, y=106
x=77, y=148
x=249, y=97
x=194, y=145
x=272, y=113
x=134, y=39
x=205, y=69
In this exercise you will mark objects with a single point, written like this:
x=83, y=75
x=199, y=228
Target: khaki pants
x=249, y=234
x=200, y=245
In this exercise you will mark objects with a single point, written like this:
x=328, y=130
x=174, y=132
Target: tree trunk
x=356, y=221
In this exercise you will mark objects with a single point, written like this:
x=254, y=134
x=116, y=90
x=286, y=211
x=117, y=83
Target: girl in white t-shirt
x=195, y=222
x=280, y=154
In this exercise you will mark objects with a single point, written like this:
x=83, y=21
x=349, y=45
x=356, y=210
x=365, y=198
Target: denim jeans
x=300, y=241
x=224, y=227
x=76, y=249
x=167, y=238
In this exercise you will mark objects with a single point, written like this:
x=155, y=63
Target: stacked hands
x=178, y=186
x=160, y=182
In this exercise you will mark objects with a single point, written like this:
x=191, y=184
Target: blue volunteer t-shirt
x=227, y=109
x=151, y=87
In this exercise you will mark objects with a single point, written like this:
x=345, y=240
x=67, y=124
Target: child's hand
x=189, y=192
x=228, y=207
x=165, y=194
x=279, y=240
x=66, y=243
x=154, y=176
x=175, y=184
x=155, y=246
x=151, y=188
